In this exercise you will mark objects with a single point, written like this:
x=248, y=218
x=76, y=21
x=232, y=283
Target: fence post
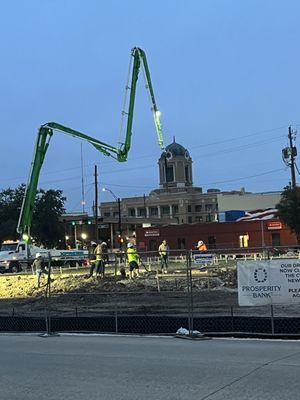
x=116, y=318
x=116, y=267
x=48, y=297
x=190, y=305
x=232, y=319
x=47, y=301
x=272, y=319
x=157, y=279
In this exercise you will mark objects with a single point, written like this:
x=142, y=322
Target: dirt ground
x=76, y=294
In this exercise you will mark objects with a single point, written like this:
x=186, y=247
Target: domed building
x=175, y=201
x=175, y=167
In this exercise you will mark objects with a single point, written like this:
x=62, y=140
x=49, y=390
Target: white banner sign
x=268, y=282
x=201, y=258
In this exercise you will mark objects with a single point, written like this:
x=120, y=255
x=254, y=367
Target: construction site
x=149, y=200
x=139, y=288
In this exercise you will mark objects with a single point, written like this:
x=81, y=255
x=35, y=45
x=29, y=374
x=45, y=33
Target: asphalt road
x=114, y=367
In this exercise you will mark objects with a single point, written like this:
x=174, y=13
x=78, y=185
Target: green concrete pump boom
x=139, y=57
x=120, y=153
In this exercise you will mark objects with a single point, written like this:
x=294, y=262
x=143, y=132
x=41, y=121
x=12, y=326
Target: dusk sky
x=225, y=75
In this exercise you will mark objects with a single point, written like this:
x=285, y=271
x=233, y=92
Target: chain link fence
x=159, y=299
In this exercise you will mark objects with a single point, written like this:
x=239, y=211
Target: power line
x=237, y=148
x=233, y=139
x=148, y=156
x=245, y=177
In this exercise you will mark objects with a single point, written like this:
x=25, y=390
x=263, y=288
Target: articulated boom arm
x=44, y=135
x=139, y=57
x=120, y=153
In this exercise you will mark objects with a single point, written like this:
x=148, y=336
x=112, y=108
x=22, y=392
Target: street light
x=84, y=236
x=118, y=200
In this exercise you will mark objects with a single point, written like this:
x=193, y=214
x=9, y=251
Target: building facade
x=227, y=235
x=176, y=201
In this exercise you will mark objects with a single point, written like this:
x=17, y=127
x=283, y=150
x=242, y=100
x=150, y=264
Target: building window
x=131, y=212
x=189, y=208
x=208, y=207
x=187, y=175
x=208, y=218
x=181, y=243
x=190, y=220
x=153, y=211
x=141, y=212
x=170, y=174
x=116, y=214
x=275, y=239
x=212, y=242
x=199, y=218
x=165, y=210
x=198, y=207
x=175, y=208
x=244, y=240
x=106, y=214
x=153, y=245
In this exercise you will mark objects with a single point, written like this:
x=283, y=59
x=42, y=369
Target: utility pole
x=120, y=223
x=293, y=154
x=289, y=154
x=96, y=205
x=82, y=180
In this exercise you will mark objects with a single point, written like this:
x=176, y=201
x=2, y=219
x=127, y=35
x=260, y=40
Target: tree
x=49, y=205
x=46, y=227
x=10, y=206
x=289, y=208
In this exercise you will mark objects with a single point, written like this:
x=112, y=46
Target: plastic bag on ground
x=183, y=331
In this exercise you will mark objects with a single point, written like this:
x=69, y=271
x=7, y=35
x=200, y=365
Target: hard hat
x=103, y=244
x=200, y=243
x=38, y=255
x=93, y=243
x=129, y=245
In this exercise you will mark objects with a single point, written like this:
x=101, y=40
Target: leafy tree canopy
x=49, y=205
x=289, y=208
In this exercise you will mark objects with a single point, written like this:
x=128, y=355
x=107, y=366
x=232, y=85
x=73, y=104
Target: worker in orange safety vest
x=201, y=246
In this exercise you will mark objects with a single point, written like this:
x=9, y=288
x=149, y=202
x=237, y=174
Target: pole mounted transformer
x=289, y=154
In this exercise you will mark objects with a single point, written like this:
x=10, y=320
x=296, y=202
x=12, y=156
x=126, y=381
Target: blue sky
x=225, y=75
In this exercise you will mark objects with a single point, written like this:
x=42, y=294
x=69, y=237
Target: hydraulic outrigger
x=120, y=153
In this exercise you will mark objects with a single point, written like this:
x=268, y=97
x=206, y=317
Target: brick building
x=227, y=235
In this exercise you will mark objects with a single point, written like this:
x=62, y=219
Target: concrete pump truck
x=17, y=256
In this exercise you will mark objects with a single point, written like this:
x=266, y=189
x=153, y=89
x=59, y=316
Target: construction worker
x=104, y=260
x=132, y=257
x=201, y=246
x=92, y=258
x=39, y=268
x=97, y=263
x=163, y=251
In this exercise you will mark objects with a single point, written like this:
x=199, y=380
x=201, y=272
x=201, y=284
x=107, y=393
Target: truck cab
x=12, y=254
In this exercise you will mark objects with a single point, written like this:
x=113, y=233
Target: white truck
x=16, y=256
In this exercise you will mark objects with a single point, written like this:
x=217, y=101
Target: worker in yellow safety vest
x=132, y=258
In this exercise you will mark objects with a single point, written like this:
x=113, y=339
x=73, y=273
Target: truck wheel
x=14, y=267
x=73, y=264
